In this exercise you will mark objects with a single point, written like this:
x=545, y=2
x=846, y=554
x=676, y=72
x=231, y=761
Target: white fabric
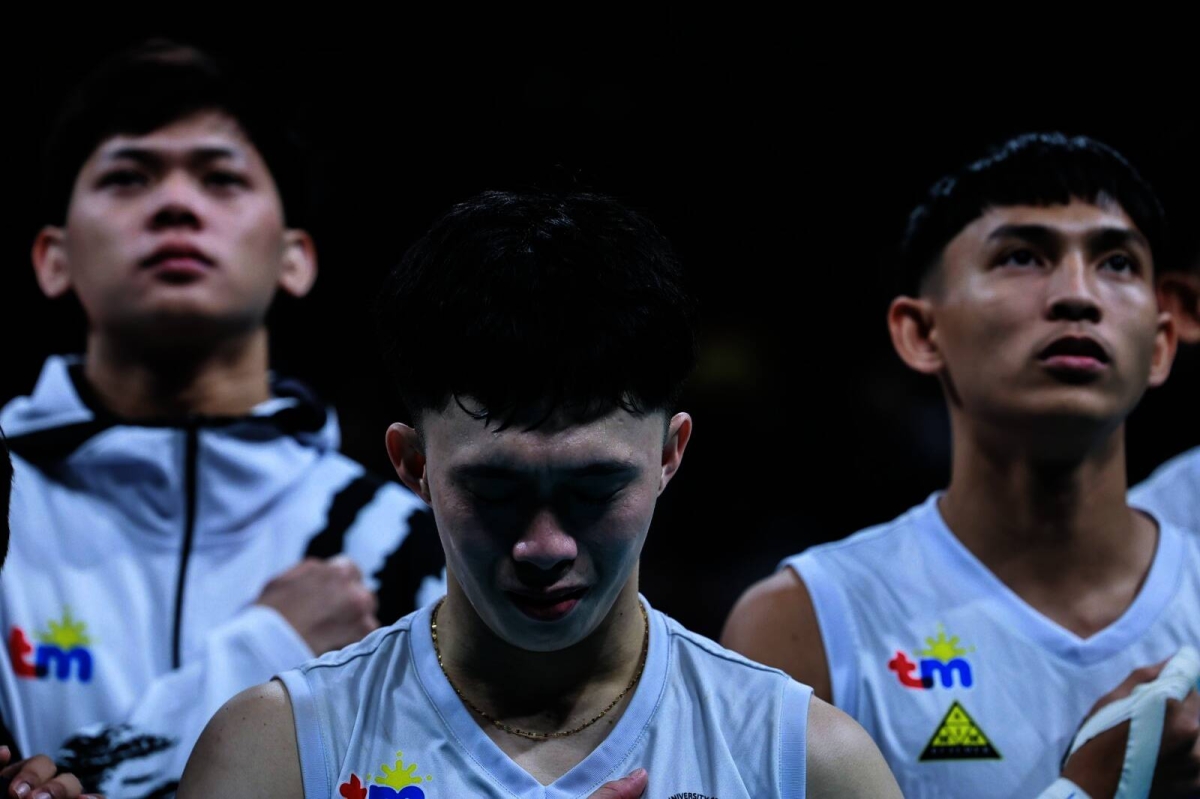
x=1172, y=493
x=1007, y=687
x=99, y=523
x=1063, y=788
x=703, y=721
x=1145, y=710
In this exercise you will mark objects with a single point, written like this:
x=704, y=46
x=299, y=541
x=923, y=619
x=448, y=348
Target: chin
x=183, y=322
x=539, y=636
x=1083, y=408
x=1069, y=432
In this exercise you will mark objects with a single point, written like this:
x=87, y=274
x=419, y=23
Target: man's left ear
x=679, y=432
x=1165, y=344
x=299, y=263
x=1179, y=295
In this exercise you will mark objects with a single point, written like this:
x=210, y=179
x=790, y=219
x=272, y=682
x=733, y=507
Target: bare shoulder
x=248, y=749
x=775, y=624
x=842, y=759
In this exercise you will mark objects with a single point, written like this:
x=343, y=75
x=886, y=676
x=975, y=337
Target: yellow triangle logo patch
x=958, y=737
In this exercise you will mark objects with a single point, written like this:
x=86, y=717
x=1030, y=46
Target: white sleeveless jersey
x=1172, y=493
x=379, y=720
x=967, y=690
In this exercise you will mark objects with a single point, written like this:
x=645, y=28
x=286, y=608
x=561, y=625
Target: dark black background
x=781, y=157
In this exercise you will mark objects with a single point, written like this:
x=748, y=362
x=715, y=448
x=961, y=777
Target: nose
x=1071, y=291
x=543, y=549
x=176, y=204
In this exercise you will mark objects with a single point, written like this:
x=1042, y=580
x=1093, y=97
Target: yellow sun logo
x=943, y=648
x=397, y=776
x=67, y=634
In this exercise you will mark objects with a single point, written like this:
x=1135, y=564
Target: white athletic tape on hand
x=1145, y=710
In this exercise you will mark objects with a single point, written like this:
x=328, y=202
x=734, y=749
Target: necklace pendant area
x=529, y=734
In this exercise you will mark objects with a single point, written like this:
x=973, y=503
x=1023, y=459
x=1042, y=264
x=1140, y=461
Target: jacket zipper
x=189, y=530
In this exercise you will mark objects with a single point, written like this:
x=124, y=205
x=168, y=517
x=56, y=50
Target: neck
x=141, y=383
x=550, y=690
x=1038, y=518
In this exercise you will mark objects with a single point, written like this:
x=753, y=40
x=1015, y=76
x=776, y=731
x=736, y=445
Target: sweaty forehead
x=453, y=439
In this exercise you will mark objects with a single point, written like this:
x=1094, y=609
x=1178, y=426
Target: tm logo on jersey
x=396, y=782
x=61, y=647
x=942, y=660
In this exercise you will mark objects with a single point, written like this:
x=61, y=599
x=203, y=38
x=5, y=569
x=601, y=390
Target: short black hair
x=539, y=303
x=1030, y=169
x=6, y=478
x=141, y=89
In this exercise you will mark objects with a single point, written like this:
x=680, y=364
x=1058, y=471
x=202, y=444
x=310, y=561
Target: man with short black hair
x=540, y=342
x=184, y=524
x=971, y=635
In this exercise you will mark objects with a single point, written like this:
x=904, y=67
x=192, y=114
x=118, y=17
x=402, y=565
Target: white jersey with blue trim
x=968, y=690
x=379, y=720
x=1172, y=493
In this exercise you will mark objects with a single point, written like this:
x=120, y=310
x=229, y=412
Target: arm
x=248, y=749
x=843, y=761
x=775, y=624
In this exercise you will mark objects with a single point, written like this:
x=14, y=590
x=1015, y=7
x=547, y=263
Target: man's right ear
x=50, y=262
x=914, y=335
x=408, y=459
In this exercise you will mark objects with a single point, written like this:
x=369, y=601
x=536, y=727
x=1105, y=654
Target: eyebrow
x=1097, y=240
x=1112, y=238
x=151, y=157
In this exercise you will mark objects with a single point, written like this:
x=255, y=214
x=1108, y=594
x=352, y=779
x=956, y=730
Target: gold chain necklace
x=542, y=736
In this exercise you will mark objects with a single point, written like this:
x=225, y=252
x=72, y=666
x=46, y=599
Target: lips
x=1075, y=358
x=1074, y=347
x=178, y=258
x=547, y=605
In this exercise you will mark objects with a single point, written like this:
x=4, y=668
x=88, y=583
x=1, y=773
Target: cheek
x=255, y=242
x=467, y=534
x=1140, y=342
x=620, y=534
x=1135, y=304
x=97, y=237
x=989, y=325
x=101, y=257
x=263, y=234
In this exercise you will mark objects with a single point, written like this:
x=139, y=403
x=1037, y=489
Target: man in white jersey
x=539, y=342
x=1172, y=493
x=973, y=634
